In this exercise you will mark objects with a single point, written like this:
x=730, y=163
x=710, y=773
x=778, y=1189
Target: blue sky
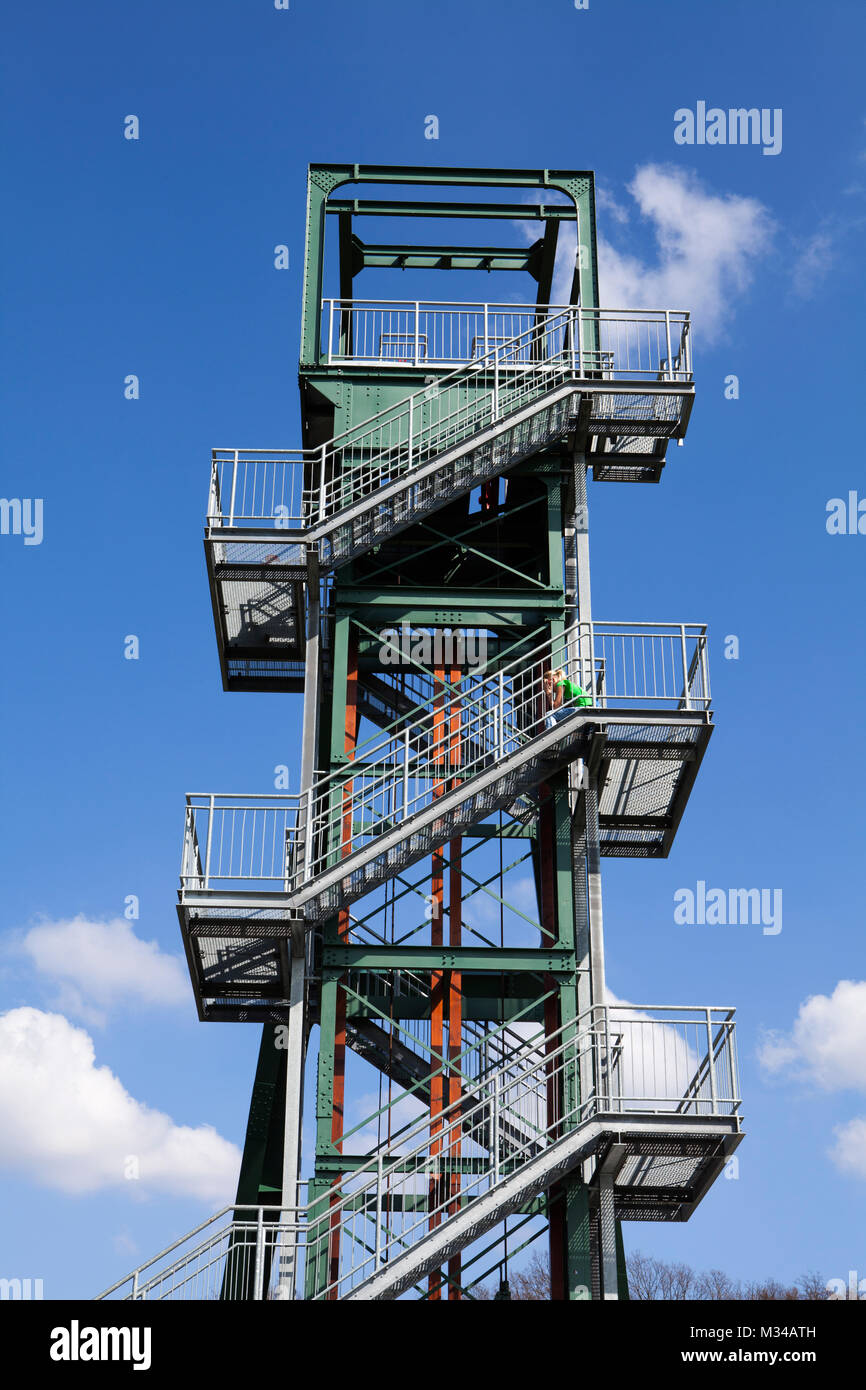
x=155, y=257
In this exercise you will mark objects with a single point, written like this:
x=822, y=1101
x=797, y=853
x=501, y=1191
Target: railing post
x=379, y=1209
x=210, y=815
x=409, y=459
x=331, y=327
x=705, y=673
x=322, y=484
x=495, y=414
x=406, y=773
x=134, y=1285
x=501, y=731
x=710, y=1064
x=417, y=337
x=234, y=487
x=608, y=1056
x=494, y=1124
x=308, y=832
x=686, y=697
x=486, y=334
x=259, y=1268
x=579, y=317
x=573, y=340
x=670, y=371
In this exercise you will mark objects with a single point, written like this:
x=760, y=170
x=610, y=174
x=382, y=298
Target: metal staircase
x=623, y=385
x=416, y=787
x=410, y=459
x=648, y=1095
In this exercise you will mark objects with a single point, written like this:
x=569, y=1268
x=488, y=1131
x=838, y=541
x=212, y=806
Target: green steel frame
x=497, y=983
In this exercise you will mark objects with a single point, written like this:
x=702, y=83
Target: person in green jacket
x=558, y=688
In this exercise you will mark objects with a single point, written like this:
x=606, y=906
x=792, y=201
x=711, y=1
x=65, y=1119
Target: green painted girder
x=350, y=1163
x=488, y=1008
x=367, y=256
x=512, y=212
x=449, y=607
x=448, y=174
x=489, y=958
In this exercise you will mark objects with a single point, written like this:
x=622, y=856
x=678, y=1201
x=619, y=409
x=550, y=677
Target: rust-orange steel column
x=338, y=1091
x=455, y=986
x=437, y=997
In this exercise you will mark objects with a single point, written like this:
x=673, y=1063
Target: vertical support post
x=379, y=1180
x=322, y=457
x=593, y=877
x=705, y=674
x=670, y=361
x=501, y=718
x=210, y=816
x=486, y=334
x=331, y=326
x=495, y=412
x=711, y=1064
x=259, y=1267
x=495, y=1101
x=406, y=772
x=685, y=660
x=417, y=335
x=294, y=1107
x=607, y=1225
x=234, y=488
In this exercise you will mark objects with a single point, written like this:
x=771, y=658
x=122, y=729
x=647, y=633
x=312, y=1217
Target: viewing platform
x=615, y=384
x=256, y=868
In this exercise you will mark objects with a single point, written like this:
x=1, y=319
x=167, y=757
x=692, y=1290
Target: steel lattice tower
x=424, y=912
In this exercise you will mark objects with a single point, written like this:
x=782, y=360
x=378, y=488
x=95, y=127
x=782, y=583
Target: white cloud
x=98, y=966
x=69, y=1124
x=606, y=202
x=827, y=1044
x=849, y=1151
x=812, y=264
x=706, y=248
x=707, y=245
x=827, y=1047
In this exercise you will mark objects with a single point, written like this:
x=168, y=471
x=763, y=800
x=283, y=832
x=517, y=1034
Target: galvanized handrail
x=446, y=332
x=657, y=1062
x=307, y=488
x=394, y=776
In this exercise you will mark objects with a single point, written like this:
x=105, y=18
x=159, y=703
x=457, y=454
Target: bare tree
x=644, y=1276
x=813, y=1287
x=678, y=1281
x=650, y=1278
x=533, y=1281
x=715, y=1284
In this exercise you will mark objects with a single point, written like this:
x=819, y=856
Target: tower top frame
x=323, y=180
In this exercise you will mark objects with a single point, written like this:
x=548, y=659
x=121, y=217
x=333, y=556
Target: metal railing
x=655, y=1062
x=421, y=333
x=282, y=842
x=303, y=489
